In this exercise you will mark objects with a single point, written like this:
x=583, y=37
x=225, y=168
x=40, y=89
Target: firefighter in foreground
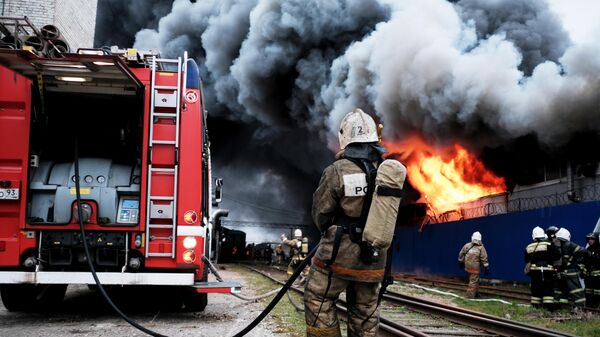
x=471, y=257
x=298, y=251
x=572, y=256
x=592, y=271
x=355, y=231
x=539, y=258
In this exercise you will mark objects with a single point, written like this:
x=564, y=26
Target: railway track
x=505, y=292
x=519, y=295
x=394, y=322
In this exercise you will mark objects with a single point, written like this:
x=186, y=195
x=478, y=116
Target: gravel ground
x=84, y=313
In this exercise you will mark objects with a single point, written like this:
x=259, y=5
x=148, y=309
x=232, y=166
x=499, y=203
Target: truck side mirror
x=218, y=191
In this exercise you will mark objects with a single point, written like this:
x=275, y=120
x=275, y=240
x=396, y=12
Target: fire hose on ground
x=213, y=270
x=89, y=258
x=279, y=295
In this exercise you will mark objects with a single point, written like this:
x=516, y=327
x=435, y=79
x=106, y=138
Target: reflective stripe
x=595, y=273
x=360, y=274
x=536, y=300
x=574, y=291
x=581, y=300
x=571, y=274
x=191, y=231
x=322, y=332
x=548, y=299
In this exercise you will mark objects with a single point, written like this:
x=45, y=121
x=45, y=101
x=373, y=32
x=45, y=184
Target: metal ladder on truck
x=163, y=165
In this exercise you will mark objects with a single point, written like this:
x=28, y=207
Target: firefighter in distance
x=298, y=250
x=470, y=258
x=539, y=258
x=573, y=255
x=344, y=261
x=592, y=271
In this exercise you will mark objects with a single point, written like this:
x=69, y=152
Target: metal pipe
x=571, y=193
x=216, y=226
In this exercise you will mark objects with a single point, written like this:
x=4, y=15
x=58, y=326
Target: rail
x=489, y=323
x=486, y=322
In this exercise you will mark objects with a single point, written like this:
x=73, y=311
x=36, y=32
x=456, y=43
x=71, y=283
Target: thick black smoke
x=285, y=72
x=263, y=63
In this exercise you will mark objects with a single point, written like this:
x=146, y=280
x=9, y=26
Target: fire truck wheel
x=50, y=296
x=195, y=301
x=30, y=297
x=18, y=297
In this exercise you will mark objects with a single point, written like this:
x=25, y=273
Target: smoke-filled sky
x=280, y=74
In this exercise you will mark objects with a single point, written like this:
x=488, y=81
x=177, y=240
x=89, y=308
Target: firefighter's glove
x=368, y=254
x=461, y=265
x=486, y=271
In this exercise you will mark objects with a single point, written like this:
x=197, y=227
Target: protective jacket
x=541, y=254
x=572, y=255
x=592, y=263
x=340, y=194
x=473, y=255
x=592, y=276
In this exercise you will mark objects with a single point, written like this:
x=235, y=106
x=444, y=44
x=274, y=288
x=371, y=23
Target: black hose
x=279, y=295
x=89, y=259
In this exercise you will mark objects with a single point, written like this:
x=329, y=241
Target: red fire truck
x=144, y=173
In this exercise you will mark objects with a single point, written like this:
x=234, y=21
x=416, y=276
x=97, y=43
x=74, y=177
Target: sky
x=580, y=18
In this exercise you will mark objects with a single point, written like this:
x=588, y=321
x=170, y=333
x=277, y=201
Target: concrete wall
x=40, y=12
x=76, y=19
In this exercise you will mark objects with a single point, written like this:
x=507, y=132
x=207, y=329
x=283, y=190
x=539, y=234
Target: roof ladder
x=163, y=161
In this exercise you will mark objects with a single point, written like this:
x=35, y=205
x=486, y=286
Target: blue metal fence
x=435, y=250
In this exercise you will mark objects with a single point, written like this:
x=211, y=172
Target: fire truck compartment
x=114, y=188
x=108, y=132
x=65, y=248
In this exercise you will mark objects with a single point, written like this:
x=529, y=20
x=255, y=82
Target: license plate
x=9, y=194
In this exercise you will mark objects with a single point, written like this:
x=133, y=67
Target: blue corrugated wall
x=435, y=250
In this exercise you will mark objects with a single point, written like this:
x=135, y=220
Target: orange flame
x=445, y=176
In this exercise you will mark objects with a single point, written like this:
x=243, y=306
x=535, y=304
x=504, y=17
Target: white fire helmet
x=563, y=234
x=538, y=233
x=298, y=234
x=357, y=127
x=476, y=237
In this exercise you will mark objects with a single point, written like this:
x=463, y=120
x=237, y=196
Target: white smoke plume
x=426, y=70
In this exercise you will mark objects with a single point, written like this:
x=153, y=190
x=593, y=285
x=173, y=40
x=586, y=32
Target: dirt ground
x=84, y=313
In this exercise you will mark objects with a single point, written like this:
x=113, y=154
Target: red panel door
x=15, y=107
